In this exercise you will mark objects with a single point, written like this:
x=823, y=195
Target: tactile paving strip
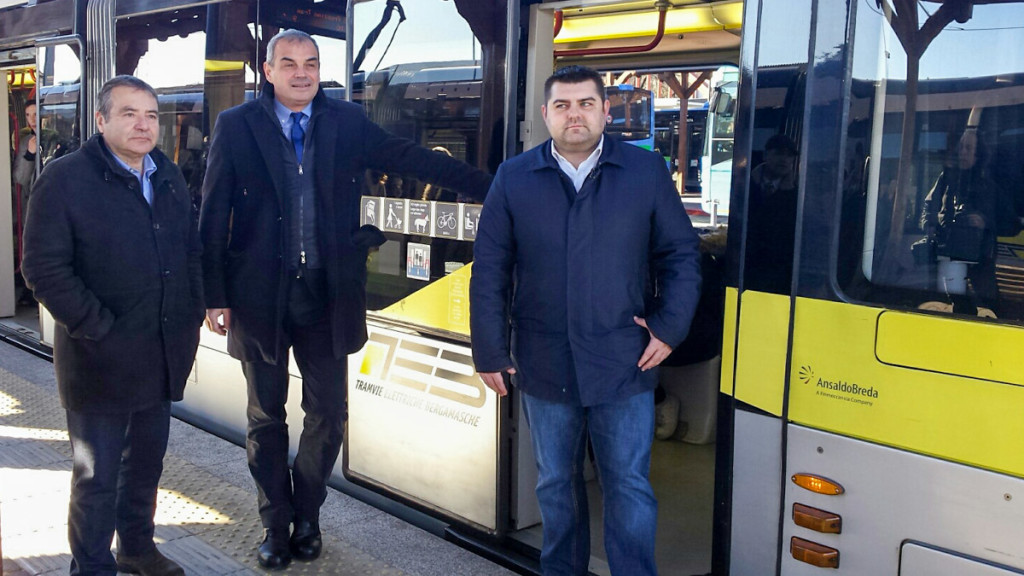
x=204, y=523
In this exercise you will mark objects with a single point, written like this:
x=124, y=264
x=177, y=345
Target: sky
x=994, y=29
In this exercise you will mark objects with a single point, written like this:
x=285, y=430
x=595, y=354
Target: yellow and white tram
x=857, y=405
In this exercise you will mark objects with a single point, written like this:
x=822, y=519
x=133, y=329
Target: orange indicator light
x=818, y=484
x=813, y=553
x=817, y=520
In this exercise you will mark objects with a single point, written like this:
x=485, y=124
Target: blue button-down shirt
x=144, y=177
x=284, y=116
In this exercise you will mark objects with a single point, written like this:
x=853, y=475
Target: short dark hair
x=125, y=80
x=574, y=75
x=289, y=35
x=781, y=143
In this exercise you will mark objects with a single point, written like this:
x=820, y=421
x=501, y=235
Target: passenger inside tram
x=24, y=144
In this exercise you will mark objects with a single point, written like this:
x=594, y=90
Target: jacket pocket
x=242, y=210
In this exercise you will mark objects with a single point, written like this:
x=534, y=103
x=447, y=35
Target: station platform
x=206, y=515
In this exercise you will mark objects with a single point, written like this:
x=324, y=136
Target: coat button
x=167, y=272
x=164, y=319
x=156, y=225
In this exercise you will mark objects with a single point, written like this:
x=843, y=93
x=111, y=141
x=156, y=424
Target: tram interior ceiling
x=680, y=32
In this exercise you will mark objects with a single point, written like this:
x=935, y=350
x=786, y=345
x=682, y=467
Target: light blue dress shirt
x=148, y=167
x=284, y=116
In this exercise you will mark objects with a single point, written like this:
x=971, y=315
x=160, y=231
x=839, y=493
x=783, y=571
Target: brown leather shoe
x=306, y=542
x=150, y=564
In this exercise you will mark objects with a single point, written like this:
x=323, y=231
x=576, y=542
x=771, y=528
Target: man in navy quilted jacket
x=586, y=274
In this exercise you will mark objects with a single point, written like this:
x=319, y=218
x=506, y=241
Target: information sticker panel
x=452, y=220
x=421, y=423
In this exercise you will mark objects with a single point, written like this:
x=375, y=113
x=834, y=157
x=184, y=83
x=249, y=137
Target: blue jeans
x=621, y=434
x=118, y=459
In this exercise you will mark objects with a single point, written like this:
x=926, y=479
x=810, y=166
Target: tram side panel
x=900, y=378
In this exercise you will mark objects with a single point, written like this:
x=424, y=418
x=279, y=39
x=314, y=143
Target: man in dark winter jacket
x=590, y=239
x=285, y=268
x=112, y=250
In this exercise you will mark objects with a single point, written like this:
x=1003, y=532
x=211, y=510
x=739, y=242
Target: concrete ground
x=206, y=517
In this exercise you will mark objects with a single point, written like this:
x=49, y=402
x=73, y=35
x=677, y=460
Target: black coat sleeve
x=215, y=216
x=494, y=257
x=195, y=263
x=675, y=260
x=48, y=263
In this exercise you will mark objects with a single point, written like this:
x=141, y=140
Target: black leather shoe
x=273, y=553
x=306, y=542
x=150, y=564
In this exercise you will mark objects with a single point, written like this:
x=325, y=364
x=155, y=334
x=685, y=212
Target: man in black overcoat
x=284, y=264
x=112, y=250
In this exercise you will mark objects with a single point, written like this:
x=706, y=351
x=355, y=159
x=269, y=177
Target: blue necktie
x=298, y=134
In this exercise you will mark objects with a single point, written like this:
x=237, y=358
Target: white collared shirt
x=578, y=175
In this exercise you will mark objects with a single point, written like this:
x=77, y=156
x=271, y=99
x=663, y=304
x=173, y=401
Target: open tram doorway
x=672, y=51
x=42, y=122
x=19, y=118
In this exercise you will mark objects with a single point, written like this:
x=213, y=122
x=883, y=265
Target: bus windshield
x=631, y=115
x=716, y=160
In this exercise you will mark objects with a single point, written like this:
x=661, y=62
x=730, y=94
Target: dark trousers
x=283, y=496
x=118, y=459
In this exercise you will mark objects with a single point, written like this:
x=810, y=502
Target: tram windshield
x=933, y=181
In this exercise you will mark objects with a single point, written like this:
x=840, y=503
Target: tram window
x=168, y=51
x=933, y=185
x=231, y=66
x=778, y=108
x=59, y=78
x=427, y=87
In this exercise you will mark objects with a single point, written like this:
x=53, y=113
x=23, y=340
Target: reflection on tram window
x=58, y=76
x=420, y=275
x=772, y=198
x=173, y=64
x=201, y=61
x=933, y=186
x=431, y=229
x=775, y=130
x=772, y=225
x=199, y=75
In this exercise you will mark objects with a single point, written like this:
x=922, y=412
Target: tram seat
x=696, y=386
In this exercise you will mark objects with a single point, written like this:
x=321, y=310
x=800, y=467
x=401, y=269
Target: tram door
x=43, y=122
x=12, y=119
